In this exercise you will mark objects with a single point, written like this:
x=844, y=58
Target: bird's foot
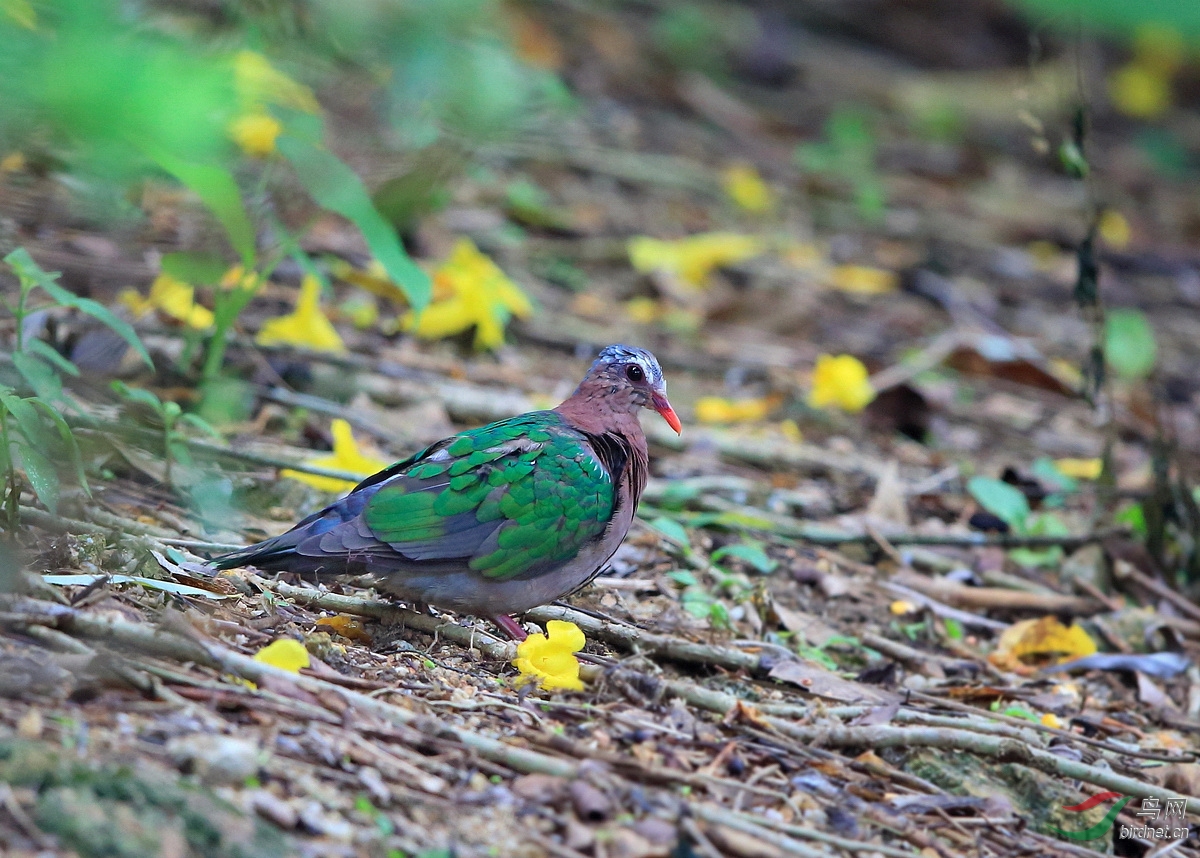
x=510, y=627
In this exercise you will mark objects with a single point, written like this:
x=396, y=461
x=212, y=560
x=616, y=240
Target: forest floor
x=816, y=640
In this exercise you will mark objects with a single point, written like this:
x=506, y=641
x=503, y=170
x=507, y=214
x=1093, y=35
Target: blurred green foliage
x=1118, y=17
x=112, y=91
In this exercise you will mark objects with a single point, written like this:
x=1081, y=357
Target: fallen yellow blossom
x=470, y=291
x=258, y=83
x=693, y=259
x=1051, y=720
x=746, y=188
x=13, y=162
x=842, y=382
x=255, y=133
x=863, y=280
x=346, y=456
x=549, y=659
x=1030, y=644
x=643, y=310
x=285, y=653
x=716, y=409
x=173, y=298
x=1114, y=229
x=306, y=327
x=900, y=607
x=1140, y=92
x=1080, y=469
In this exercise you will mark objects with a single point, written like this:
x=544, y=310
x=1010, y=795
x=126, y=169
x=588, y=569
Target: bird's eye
x=635, y=373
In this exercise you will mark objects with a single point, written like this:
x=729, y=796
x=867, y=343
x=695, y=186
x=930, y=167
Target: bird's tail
x=267, y=554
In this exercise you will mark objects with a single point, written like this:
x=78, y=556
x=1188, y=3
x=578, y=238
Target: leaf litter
x=828, y=638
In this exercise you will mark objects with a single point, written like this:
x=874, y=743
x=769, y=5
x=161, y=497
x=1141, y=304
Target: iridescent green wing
x=518, y=497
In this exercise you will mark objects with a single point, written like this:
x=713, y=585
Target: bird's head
x=633, y=374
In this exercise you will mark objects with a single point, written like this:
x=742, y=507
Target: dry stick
x=1127, y=571
x=146, y=638
x=1003, y=749
x=995, y=598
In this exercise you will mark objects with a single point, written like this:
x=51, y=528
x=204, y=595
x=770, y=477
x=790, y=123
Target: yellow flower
x=643, y=310
x=172, y=297
x=255, y=133
x=1049, y=719
x=346, y=456
x=13, y=162
x=900, y=607
x=1140, y=92
x=1114, y=229
x=285, y=653
x=306, y=327
x=746, y=188
x=692, y=259
x=1080, y=469
x=863, y=280
x=470, y=290
x=258, y=83
x=715, y=409
x=840, y=381
x=549, y=659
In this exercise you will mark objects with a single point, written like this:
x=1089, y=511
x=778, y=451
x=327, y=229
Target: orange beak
x=659, y=401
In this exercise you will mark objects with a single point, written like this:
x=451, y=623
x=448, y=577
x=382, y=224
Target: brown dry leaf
x=825, y=683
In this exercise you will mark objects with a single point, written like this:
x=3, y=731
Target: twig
x=996, y=598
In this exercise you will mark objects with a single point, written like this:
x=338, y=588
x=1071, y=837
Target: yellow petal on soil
x=1080, y=469
x=693, y=259
x=643, y=310
x=1140, y=92
x=306, y=327
x=863, y=280
x=255, y=133
x=173, y=298
x=346, y=456
x=1040, y=642
x=285, y=653
x=746, y=188
x=1052, y=720
x=13, y=162
x=549, y=659
x=1114, y=229
x=716, y=409
x=470, y=291
x=900, y=607
x=840, y=382
x=258, y=83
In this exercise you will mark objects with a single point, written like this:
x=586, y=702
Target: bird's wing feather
x=507, y=500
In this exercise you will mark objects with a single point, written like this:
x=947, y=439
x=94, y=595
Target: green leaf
x=217, y=189
x=1133, y=517
x=671, y=529
x=338, y=188
x=1129, y=344
x=25, y=414
x=42, y=476
x=39, y=375
x=68, y=439
x=954, y=629
x=1005, y=502
x=1046, y=471
x=139, y=395
x=684, y=577
x=48, y=353
x=199, y=269
x=27, y=269
x=752, y=555
x=203, y=425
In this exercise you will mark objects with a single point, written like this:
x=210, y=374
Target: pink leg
x=510, y=627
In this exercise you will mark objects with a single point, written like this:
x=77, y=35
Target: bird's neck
x=599, y=411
